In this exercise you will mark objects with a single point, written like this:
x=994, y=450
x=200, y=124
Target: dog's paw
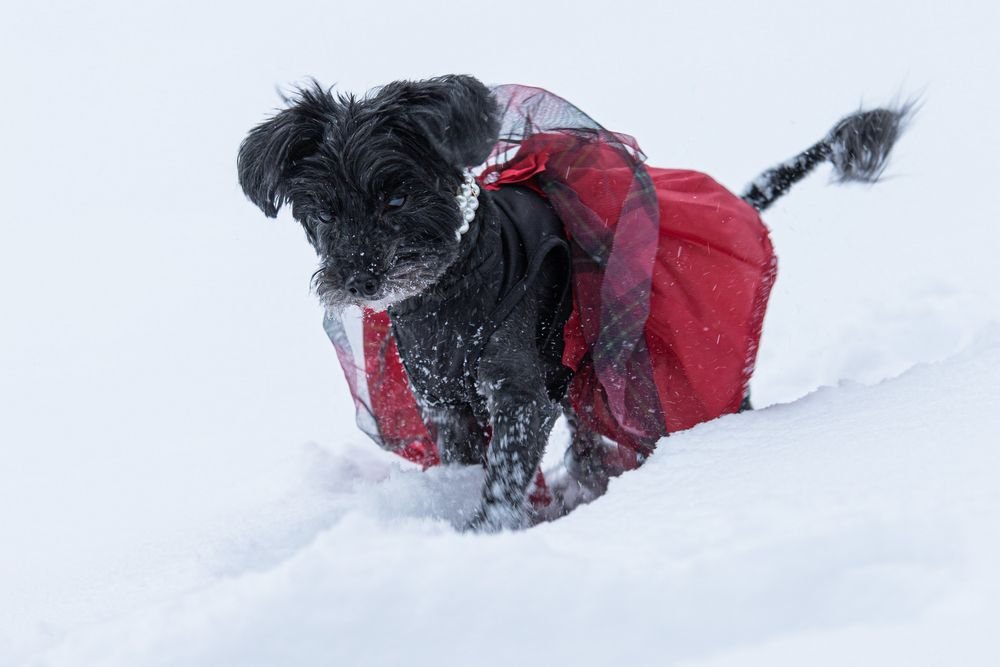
x=567, y=493
x=493, y=517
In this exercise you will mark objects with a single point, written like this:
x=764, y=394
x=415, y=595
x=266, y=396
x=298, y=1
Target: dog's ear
x=271, y=148
x=457, y=113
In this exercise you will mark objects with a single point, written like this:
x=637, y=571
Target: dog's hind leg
x=584, y=459
x=589, y=463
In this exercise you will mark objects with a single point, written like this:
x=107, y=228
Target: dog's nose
x=362, y=284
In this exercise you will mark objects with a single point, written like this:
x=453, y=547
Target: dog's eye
x=395, y=203
x=325, y=217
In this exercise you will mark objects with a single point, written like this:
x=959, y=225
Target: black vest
x=441, y=341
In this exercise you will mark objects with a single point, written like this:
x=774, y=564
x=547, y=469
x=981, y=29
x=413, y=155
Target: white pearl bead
x=468, y=201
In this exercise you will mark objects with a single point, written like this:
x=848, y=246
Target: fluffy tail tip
x=860, y=143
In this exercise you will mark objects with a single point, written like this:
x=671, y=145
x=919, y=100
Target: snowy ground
x=855, y=522
x=180, y=479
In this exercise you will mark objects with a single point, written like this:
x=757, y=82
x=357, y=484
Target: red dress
x=671, y=276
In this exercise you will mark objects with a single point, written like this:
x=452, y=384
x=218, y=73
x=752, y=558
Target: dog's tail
x=858, y=147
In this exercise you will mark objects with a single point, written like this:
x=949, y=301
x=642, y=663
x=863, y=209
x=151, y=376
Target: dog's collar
x=468, y=201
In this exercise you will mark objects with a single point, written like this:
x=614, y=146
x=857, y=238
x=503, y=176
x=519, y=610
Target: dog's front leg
x=521, y=415
x=459, y=436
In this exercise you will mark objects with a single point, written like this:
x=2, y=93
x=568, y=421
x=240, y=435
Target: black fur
x=339, y=161
x=858, y=147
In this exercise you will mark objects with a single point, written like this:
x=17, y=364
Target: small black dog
x=374, y=180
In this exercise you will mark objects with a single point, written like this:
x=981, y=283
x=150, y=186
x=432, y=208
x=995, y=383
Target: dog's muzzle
x=363, y=285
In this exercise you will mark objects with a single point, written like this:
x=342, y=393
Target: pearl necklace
x=468, y=201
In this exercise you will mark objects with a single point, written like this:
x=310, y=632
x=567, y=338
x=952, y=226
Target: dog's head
x=373, y=180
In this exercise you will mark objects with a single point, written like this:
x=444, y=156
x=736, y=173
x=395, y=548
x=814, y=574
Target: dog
x=380, y=184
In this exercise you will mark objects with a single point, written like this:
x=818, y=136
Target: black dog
x=478, y=321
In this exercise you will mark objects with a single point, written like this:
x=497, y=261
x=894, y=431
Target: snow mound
x=858, y=521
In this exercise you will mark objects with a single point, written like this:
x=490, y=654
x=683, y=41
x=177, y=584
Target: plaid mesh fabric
x=597, y=183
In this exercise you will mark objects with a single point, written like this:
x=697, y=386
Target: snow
x=181, y=481
x=854, y=520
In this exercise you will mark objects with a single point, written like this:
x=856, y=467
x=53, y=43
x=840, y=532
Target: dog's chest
x=441, y=352
x=441, y=338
